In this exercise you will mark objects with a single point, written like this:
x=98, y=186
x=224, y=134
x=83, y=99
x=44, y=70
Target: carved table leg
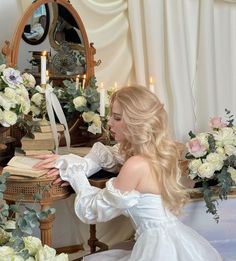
x=93, y=242
x=46, y=228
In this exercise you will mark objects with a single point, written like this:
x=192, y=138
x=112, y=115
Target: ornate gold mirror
x=64, y=21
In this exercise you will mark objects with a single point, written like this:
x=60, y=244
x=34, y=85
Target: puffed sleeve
x=99, y=157
x=92, y=204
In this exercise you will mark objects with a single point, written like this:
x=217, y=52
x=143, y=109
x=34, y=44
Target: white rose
x=79, y=101
x=37, y=98
x=88, y=116
x=35, y=110
x=232, y=172
x=2, y=67
x=6, y=253
x=45, y=253
x=25, y=107
x=9, y=93
x=97, y=120
x=30, y=259
x=1, y=114
x=206, y=170
x=28, y=80
x=225, y=136
x=230, y=150
x=5, y=103
x=216, y=159
x=203, y=138
x=33, y=244
x=194, y=165
x=10, y=224
x=220, y=150
x=9, y=118
x=17, y=258
x=93, y=128
x=62, y=257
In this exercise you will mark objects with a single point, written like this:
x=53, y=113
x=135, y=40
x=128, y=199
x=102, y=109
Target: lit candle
x=83, y=82
x=47, y=76
x=102, y=100
x=77, y=82
x=115, y=86
x=151, y=86
x=43, y=67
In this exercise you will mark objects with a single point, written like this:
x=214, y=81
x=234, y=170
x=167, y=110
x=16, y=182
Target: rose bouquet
x=212, y=160
x=14, y=96
x=78, y=102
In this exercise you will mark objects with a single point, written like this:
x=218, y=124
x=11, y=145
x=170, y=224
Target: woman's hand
x=47, y=161
x=55, y=173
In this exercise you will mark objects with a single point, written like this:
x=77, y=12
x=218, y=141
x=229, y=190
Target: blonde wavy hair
x=147, y=134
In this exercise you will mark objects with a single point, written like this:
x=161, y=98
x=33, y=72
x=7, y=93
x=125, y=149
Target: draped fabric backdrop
x=188, y=47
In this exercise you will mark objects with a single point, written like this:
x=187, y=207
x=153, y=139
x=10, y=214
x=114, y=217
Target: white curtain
x=190, y=52
x=107, y=26
x=188, y=47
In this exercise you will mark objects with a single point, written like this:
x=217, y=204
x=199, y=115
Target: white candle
x=47, y=76
x=43, y=67
x=77, y=82
x=151, y=86
x=83, y=83
x=102, y=100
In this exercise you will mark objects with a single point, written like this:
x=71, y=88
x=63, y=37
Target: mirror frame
x=11, y=49
x=46, y=29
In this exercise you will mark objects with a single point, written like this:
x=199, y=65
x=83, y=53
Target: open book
x=22, y=166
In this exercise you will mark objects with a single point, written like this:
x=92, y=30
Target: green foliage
x=69, y=92
x=25, y=219
x=212, y=161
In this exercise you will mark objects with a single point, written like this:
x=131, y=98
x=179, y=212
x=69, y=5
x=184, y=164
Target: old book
x=22, y=166
x=47, y=128
x=37, y=152
x=37, y=135
x=28, y=143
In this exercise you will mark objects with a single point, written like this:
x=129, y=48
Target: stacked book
x=40, y=141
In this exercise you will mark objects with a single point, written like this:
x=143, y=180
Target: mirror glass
x=54, y=28
x=36, y=29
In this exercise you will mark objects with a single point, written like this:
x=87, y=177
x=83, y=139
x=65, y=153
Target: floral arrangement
x=14, y=96
x=16, y=242
x=81, y=102
x=212, y=160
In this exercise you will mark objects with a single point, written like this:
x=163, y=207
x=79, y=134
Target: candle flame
x=151, y=80
x=44, y=53
x=84, y=76
x=115, y=84
x=102, y=84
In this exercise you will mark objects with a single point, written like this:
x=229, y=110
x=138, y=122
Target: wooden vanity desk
x=23, y=189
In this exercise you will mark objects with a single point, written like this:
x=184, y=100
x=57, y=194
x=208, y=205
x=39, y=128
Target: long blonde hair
x=147, y=134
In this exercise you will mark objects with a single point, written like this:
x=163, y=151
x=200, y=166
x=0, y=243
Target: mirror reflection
x=66, y=28
x=36, y=29
x=53, y=28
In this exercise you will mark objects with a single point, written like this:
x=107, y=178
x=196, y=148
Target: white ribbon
x=53, y=105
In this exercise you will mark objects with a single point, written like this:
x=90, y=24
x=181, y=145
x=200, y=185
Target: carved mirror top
x=66, y=32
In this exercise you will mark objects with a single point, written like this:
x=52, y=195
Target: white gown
x=160, y=236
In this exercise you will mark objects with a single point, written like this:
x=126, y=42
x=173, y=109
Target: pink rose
x=196, y=148
x=216, y=123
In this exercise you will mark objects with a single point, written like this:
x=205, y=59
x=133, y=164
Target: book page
x=23, y=162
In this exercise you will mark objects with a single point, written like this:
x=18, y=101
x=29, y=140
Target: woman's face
x=116, y=123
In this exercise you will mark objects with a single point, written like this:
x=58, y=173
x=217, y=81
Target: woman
x=147, y=188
